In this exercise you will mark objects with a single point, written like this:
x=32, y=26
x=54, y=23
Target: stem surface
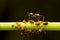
x=52, y=26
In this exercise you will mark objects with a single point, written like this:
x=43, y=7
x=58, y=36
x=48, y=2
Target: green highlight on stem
x=51, y=26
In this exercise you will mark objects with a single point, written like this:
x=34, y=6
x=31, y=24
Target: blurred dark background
x=16, y=10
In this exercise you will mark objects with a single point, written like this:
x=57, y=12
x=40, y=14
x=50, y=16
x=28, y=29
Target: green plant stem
x=52, y=26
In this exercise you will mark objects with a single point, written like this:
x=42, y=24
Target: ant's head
x=37, y=15
x=30, y=14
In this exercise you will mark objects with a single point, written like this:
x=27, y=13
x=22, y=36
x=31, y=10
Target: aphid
x=16, y=22
x=37, y=23
x=31, y=21
x=23, y=30
x=45, y=23
x=40, y=30
x=17, y=25
x=24, y=21
x=33, y=31
x=28, y=31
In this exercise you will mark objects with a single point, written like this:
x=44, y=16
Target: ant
x=35, y=16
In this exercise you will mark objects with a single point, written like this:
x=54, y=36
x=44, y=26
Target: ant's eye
x=30, y=14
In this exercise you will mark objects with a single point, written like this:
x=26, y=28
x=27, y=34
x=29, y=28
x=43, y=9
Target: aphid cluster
x=30, y=19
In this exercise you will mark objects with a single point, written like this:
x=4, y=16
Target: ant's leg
x=43, y=18
x=38, y=18
x=29, y=18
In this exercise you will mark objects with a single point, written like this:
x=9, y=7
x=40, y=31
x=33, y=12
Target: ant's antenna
x=43, y=17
